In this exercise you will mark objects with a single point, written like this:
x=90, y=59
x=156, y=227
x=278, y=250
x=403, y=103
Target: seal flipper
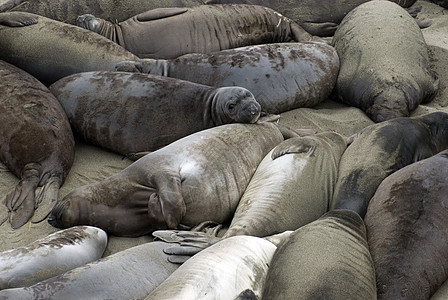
x=160, y=13
x=46, y=199
x=17, y=20
x=324, y=29
x=294, y=145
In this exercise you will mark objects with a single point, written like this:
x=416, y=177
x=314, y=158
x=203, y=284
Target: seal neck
x=111, y=31
x=213, y=114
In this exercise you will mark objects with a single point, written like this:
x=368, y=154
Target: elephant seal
x=197, y=178
x=383, y=148
x=282, y=76
x=50, y=256
x=50, y=50
x=221, y=271
x=406, y=224
x=36, y=144
x=171, y=32
x=374, y=76
x=326, y=259
x=318, y=18
x=134, y=272
x=132, y=112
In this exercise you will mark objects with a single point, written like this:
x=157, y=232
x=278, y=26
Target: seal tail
x=46, y=199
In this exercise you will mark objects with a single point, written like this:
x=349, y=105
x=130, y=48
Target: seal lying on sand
x=50, y=256
x=198, y=178
x=50, y=50
x=383, y=148
x=36, y=144
x=282, y=76
x=172, y=32
x=406, y=224
x=132, y=112
x=375, y=76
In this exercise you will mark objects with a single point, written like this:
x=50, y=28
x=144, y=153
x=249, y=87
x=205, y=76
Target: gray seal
x=198, y=178
x=282, y=76
x=172, y=32
x=36, y=144
x=383, y=148
x=406, y=223
x=376, y=77
x=132, y=112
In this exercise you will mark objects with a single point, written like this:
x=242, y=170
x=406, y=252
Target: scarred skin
x=374, y=76
x=381, y=149
x=172, y=32
x=406, y=225
x=168, y=187
x=282, y=76
x=36, y=143
x=131, y=112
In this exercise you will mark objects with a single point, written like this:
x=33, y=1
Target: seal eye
x=231, y=106
x=248, y=94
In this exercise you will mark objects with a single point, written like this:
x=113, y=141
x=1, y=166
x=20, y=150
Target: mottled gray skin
x=131, y=112
x=376, y=77
x=50, y=50
x=171, y=32
x=68, y=10
x=380, y=150
x=36, y=144
x=198, y=178
x=129, y=274
x=319, y=18
x=282, y=76
x=326, y=259
x=50, y=256
x=406, y=225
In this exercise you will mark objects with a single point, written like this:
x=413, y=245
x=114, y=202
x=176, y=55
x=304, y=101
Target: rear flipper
x=46, y=199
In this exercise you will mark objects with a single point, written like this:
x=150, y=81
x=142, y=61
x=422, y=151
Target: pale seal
x=282, y=76
x=132, y=112
x=172, y=32
x=36, y=144
x=406, y=224
x=376, y=77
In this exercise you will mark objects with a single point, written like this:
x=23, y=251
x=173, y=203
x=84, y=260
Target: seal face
x=374, y=76
x=406, y=223
x=131, y=112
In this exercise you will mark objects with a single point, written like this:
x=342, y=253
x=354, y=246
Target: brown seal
x=406, y=224
x=197, y=178
x=172, y=32
x=132, y=112
x=376, y=77
x=36, y=144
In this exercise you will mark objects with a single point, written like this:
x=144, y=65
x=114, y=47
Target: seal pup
x=376, y=77
x=282, y=76
x=135, y=272
x=221, y=271
x=171, y=32
x=326, y=259
x=197, y=178
x=406, y=228
x=132, y=112
x=36, y=144
x=50, y=50
x=50, y=256
x=383, y=148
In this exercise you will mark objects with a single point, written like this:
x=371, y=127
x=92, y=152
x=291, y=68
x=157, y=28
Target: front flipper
x=294, y=145
x=323, y=29
x=160, y=13
x=46, y=199
x=20, y=203
x=17, y=20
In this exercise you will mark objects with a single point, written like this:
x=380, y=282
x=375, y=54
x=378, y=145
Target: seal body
x=198, y=178
x=282, y=76
x=126, y=112
x=374, y=76
x=406, y=224
x=135, y=272
x=382, y=149
x=50, y=50
x=172, y=32
x=221, y=271
x=292, y=186
x=36, y=144
x=326, y=259
x=50, y=256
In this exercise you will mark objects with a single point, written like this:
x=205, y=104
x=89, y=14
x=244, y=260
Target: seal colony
x=346, y=253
